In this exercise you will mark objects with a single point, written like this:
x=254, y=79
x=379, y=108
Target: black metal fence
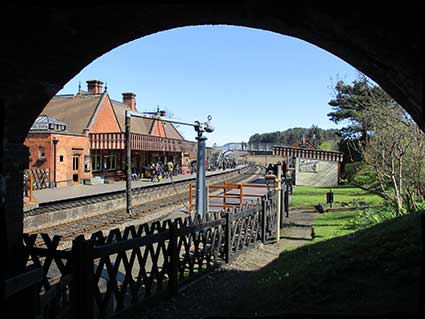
x=105, y=275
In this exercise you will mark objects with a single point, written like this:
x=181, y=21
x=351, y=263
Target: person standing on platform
x=176, y=169
x=134, y=175
x=154, y=174
x=105, y=169
x=170, y=168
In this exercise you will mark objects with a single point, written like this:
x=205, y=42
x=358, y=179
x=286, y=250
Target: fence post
x=82, y=292
x=224, y=195
x=190, y=197
x=286, y=199
x=31, y=199
x=263, y=219
x=283, y=203
x=279, y=200
x=174, y=259
x=228, y=238
x=240, y=195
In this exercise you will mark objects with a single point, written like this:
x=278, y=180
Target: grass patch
x=344, y=195
x=371, y=271
x=334, y=224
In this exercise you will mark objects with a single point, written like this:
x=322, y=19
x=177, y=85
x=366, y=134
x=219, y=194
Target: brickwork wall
x=67, y=147
x=105, y=121
x=34, y=142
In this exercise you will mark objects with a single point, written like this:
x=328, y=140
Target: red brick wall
x=68, y=146
x=105, y=121
x=33, y=142
x=158, y=129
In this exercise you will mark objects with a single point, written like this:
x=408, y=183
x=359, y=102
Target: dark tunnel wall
x=43, y=48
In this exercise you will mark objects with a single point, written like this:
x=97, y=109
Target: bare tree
x=394, y=149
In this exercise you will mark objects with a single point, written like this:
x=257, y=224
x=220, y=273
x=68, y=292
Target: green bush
x=420, y=205
x=365, y=176
x=343, y=181
x=359, y=173
x=370, y=217
x=350, y=170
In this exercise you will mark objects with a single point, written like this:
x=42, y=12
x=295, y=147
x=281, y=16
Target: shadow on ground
x=374, y=271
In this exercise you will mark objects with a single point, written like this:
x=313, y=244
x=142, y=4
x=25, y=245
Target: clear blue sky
x=250, y=81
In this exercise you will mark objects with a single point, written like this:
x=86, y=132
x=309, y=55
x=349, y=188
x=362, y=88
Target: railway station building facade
x=77, y=137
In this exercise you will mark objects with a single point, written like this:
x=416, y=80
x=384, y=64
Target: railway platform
x=81, y=190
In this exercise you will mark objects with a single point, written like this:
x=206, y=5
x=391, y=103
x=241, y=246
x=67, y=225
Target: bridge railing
x=105, y=275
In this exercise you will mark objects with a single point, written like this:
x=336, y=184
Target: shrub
x=365, y=176
x=420, y=204
x=351, y=169
x=343, y=181
x=370, y=217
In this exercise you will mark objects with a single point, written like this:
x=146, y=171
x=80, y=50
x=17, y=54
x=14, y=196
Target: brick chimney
x=94, y=86
x=129, y=99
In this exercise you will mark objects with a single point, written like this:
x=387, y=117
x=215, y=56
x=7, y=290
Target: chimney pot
x=94, y=86
x=129, y=98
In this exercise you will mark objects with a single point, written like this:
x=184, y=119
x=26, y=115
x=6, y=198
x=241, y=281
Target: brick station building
x=311, y=166
x=89, y=129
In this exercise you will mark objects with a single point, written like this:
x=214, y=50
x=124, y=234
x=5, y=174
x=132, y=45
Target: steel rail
x=95, y=198
x=90, y=224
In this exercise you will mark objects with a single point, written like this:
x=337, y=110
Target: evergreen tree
x=314, y=135
x=294, y=135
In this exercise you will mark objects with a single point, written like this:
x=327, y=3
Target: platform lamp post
x=55, y=142
x=200, y=128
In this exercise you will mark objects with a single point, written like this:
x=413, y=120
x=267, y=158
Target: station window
x=111, y=161
x=60, y=158
x=96, y=161
x=41, y=152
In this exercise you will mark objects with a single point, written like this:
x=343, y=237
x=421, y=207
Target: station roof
x=308, y=153
x=77, y=111
x=145, y=126
x=47, y=123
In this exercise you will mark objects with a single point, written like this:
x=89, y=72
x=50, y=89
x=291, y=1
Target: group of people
x=223, y=164
x=157, y=171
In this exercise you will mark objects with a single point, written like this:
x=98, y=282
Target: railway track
x=148, y=212
x=96, y=198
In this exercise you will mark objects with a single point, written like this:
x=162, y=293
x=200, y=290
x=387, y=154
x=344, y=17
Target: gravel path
x=220, y=293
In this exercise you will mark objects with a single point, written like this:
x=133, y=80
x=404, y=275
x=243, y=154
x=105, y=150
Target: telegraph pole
x=55, y=142
x=128, y=161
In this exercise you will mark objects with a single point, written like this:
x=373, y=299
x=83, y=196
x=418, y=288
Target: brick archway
x=43, y=48
x=39, y=59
